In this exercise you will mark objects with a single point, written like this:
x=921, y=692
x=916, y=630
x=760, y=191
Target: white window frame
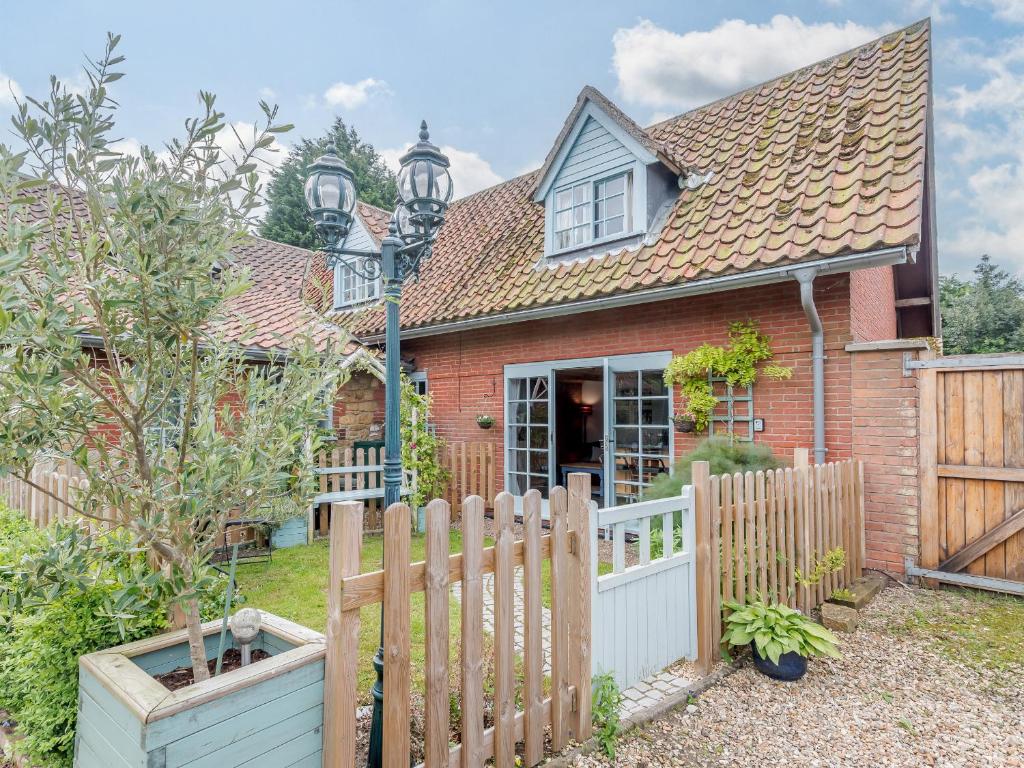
x=359, y=291
x=419, y=382
x=590, y=205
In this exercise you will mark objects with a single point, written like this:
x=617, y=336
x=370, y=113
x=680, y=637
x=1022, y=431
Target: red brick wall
x=872, y=304
x=465, y=370
x=885, y=438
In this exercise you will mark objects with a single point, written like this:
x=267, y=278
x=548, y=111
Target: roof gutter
x=837, y=264
x=255, y=354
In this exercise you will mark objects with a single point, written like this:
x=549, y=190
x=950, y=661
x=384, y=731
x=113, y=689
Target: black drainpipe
x=806, y=279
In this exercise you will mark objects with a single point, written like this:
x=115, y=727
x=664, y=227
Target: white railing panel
x=644, y=615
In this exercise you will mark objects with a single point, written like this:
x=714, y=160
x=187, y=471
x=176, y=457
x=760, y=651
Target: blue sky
x=495, y=80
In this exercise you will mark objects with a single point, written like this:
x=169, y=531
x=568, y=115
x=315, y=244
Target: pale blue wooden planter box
x=269, y=713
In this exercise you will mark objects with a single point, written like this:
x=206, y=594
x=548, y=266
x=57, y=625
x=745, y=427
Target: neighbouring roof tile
x=822, y=162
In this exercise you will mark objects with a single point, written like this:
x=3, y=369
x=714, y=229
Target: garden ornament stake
x=424, y=191
x=245, y=627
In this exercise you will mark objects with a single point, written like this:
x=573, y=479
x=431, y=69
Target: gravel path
x=895, y=699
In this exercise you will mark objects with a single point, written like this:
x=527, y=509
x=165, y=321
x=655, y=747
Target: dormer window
x=353, y=289
x=592, y=211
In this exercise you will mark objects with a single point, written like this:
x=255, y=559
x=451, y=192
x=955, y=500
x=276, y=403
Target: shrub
x=66, y=594
x=776, y=629
x=723, y=454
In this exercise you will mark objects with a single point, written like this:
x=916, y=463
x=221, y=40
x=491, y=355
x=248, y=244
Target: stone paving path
x=644, y=694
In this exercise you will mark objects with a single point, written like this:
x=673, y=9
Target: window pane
x=539, y=412
x=614, y=186
x=518, y=413
x=626, y=412
x=627, y=439
x=653, y=383
x=517, y=484
x=580, y=235
x=539, y=462
x=563, y=199
x=538, y=388
x=539, y=437
x=626, y=384
x=563, y=239
x=655, y=441
x=655, y=412
x=612, y=207
x=517, y=389
x=613, y=226
x=563, y=220
x=517, y=436
x=520, y=461
x=581, y=194
x=581, y=215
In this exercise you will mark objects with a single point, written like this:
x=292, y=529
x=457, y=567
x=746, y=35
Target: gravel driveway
x=929, y=679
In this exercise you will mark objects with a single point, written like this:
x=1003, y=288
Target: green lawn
x=294, y=586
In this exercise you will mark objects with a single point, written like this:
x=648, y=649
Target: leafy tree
x=287, y=219
x=110, y=353
x=985, y=314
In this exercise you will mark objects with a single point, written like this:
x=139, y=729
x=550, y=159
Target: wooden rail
x=564, y=711
x=472, y=473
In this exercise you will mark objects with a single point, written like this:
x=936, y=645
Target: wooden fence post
x=396, y=637
x=707, y=589
x=438, y=605
x=580, y=597
x=560, y=703
x=533, y=645
x=928, y=431
x=504, y=634
x=472, y=632
x=342, y=639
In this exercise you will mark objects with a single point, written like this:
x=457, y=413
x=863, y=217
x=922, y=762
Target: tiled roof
x=822, y=162
x=271, y=312
x=375, y=219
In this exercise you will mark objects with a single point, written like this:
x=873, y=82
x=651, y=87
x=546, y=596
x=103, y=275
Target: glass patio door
x=530, y=433
x=638, y=434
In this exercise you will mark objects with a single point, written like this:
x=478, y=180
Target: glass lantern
x=331, y=196
x=424, y=188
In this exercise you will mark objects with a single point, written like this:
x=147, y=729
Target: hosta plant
x=776, y=629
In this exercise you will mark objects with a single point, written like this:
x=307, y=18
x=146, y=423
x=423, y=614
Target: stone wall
x=359, y=410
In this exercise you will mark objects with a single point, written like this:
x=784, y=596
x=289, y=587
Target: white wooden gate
x=644, y=616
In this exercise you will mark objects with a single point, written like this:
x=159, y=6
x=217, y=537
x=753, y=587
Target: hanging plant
x=736, y=363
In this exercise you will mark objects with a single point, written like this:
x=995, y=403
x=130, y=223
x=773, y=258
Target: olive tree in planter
x=112, y=308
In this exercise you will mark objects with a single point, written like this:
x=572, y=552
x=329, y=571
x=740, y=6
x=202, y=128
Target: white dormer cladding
x=603, y=188
x=350, y=288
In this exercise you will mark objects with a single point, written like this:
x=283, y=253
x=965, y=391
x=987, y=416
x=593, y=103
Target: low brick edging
x=645, y=716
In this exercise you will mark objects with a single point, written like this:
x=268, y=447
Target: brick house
x=553, y=301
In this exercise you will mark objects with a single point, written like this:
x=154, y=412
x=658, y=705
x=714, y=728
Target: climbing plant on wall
x=737, y=363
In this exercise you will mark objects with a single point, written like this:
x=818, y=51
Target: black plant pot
x=792, y=666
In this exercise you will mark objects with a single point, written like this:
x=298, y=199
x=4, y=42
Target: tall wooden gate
x=972, y=468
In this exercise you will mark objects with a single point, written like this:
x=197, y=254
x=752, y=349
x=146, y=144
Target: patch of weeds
x=907, y=726
x=980, y=629
x=886, y=697
x=606, y=702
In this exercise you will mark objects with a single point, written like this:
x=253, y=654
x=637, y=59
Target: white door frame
x=608, y=363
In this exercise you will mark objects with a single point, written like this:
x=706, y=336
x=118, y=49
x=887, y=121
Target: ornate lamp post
x=424, y=191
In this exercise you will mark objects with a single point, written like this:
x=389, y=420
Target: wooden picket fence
x=769, y=525
x=566, y=712
x=60, y=482
x=350, y=469
x=472, y=468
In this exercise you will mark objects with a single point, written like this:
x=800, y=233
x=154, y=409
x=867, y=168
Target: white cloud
x=983, y=125
x=267, y=93
x=663, y=69
x=1006, y=10
x=470, y=173
x=353, y=95
x=9, y=91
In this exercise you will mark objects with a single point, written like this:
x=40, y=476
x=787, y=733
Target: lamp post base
x=375, y=754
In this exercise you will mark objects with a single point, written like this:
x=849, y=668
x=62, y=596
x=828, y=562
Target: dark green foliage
x=725, y=456
x=982, y=315
x=65, y=594
x=776, y=629
x=287, y=219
